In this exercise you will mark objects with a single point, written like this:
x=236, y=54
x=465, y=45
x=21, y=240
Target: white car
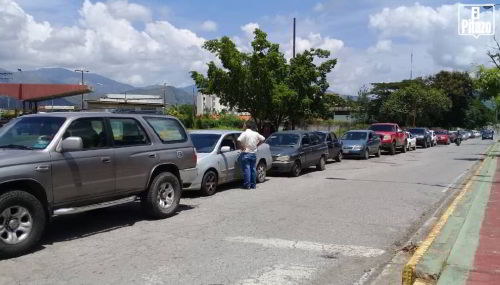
x=219, y=160
x=411, y=141
x=433, y=138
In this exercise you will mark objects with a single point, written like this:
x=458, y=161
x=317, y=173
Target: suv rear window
x=383, y=128
x=168, y=130
x=127, y=132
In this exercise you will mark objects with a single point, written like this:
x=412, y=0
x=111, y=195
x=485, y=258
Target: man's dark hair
x=250, y=125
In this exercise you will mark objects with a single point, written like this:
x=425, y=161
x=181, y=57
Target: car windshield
x=321, y=135
x=283, y=140
x=30, y=132
x=205, y=143
x=417, y=131
x=382, y=128
x=441, y=132
x=354, y=136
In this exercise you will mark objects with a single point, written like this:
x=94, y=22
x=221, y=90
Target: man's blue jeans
x=248, y=161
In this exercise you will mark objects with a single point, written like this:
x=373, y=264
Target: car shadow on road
x=470, y=158
x=71, y=227
x=393, y=182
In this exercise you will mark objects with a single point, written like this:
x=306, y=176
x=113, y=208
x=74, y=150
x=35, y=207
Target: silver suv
x=63, y=163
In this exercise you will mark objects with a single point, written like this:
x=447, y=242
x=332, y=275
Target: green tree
x=459, y=88
x=184, y=113
x=414, y=103
x=263, y=83
x=488, y=85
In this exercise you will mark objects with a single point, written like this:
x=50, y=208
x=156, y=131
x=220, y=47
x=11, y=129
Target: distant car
x=465, y=134
x=412, y=141
x=423, y=136
x=361, y=143
x=443, y=137
x=487, y=135
x=433, y=138
x=477, y=134
x=334, y=145
x=293, y=151
x=219, y=160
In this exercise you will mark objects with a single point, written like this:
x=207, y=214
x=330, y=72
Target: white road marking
x=280, y=274
x=345, y=250
x=454, y=182
x=364, y=277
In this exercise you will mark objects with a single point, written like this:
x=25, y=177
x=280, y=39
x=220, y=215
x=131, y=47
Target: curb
x=410, y=269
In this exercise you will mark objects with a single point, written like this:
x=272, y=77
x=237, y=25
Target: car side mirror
x=72, y=144
x=225, y=149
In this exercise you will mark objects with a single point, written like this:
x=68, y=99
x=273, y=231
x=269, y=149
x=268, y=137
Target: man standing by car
x=248, y=141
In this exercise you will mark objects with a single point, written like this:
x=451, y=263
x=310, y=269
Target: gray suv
x=63, y=163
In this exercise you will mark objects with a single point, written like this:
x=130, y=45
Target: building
x=343, y=114
x=128, y=102
x=210, y=104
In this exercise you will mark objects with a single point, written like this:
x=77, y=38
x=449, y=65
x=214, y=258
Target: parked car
x=433, y=138
x=293, y=151
x=412, y=141
x=219, y=160
x=63, y=163
x=361, y=143
x=391, y=137
x=487, y=135
x=443, y=137
x=465, y=134
x=334, y=145
x=477, y=134
x=423, y=136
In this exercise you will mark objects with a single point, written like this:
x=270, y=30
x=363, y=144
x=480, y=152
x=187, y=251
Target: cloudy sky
x=145, y=42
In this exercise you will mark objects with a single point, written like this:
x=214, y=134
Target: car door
x=331, y=147
x=306, y=151
x=370, y=143
x=229, y=163
x=88, y=173
x=319, y=147
x=134, y=156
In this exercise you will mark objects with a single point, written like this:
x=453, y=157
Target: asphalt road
x=330, y=227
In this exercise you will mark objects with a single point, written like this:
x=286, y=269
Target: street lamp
x=82, y=71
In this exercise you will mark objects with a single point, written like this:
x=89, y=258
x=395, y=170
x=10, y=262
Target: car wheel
x=22, y=222
x=378, y=152
x=261, y=172
x=163, y=196
x=209, y=183
x=367, y=155
x=321, y=164
x=296, y=169
x=392, y=150
x=339, y=157
x=403, y=148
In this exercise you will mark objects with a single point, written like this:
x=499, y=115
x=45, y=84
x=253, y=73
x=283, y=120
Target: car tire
x=261, y=172
x=321, y=164
x=378, y=153
x=25, y=212
x=339, y=157
x=209, y=183
x=403, y=148
x=366, y=155
x=163, y=196
x=296, y=169
x=392, y=150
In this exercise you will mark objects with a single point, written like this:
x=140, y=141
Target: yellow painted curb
x=409, y=276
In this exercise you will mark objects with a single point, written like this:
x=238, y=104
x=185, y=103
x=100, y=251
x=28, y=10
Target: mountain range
x=100, y=84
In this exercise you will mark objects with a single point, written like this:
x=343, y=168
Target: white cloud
x=319, y=7
x=381, y=46
x=129, y=11
x=209, y=26
x=105, y=41
x=249, y=29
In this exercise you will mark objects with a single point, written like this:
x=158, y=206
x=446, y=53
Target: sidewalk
x=464, y=246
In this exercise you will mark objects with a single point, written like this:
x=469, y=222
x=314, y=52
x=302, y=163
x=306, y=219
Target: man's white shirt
x=250, y=140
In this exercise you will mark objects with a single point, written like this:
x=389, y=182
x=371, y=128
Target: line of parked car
x=64, y=163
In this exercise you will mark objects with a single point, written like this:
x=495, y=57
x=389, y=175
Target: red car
x=391, y=137
x=443, y=137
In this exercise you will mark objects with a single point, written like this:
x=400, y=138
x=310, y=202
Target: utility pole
x=164, y=98
x=293, y=37
x=82, y=71
x=411, y=66
x=194, y=106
